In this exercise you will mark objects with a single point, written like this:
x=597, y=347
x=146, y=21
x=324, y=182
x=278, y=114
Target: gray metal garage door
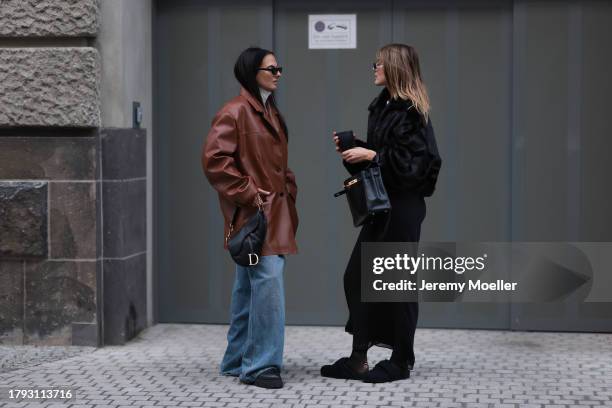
x=486, y=74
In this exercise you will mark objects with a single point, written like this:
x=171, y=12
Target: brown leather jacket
x=246, y=148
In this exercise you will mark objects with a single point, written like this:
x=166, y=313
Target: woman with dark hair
x=401, y=140
x=245, y=160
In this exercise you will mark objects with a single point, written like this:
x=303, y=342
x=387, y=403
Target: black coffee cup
x=346, y=140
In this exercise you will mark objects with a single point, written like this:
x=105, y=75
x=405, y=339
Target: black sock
x=359, y=359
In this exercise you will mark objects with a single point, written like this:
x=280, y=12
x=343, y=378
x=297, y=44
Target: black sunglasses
x=273, y=70
x=376, y=65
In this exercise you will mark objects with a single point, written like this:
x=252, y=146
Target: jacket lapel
x=260, y=111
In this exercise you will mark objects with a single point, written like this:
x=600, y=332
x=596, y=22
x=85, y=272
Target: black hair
x=245, y=71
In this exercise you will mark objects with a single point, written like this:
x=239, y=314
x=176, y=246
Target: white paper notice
x=331, y=31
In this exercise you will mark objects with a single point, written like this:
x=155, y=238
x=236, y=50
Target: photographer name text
x=404, y=284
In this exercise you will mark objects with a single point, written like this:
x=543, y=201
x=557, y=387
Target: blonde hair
x=403, y=75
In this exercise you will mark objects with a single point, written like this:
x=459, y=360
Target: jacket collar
x=259, y=108
x=380, y=102
x=252, y=100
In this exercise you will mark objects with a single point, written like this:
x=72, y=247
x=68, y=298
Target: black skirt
x=390, y=325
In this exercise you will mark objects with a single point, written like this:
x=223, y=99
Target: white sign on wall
x=332, y=31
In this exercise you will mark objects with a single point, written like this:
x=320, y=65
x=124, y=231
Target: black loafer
x=269, y=378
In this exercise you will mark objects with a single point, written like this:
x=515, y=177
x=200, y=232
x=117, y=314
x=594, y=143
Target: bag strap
x=231, y=226
x=387, y=222
x=373, y=163
x=235, y=217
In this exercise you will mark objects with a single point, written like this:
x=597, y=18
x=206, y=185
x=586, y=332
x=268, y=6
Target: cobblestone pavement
x=176, y=365
x=16, y=357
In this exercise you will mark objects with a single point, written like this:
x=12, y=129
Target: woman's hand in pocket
x=261, y=192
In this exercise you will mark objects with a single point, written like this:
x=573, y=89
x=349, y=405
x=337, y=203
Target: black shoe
x=269, y=378
x=386, y=371
x=341, y=369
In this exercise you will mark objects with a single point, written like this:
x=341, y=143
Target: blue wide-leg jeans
x=256, y=335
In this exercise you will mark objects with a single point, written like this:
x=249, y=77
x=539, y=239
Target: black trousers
x=389, y=325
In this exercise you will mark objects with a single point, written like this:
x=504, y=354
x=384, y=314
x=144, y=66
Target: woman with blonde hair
x=401, y=140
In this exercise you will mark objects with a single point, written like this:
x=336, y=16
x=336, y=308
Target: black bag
x=245, y=247
x=366, y=194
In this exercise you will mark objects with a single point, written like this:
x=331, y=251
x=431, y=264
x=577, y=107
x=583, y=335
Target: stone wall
x=49, y=241
x=49, y=18
x=72, y=193
x=49, y=87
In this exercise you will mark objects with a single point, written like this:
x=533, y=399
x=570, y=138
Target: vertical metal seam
x=332, y=102
x=213, y=26
x=518, y=27
x=392, y=20
x=452, y=56
x=273, y=12
x=574, y=99
x=508, y=28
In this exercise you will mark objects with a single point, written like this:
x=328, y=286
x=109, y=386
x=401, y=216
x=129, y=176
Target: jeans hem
x=229, y=373
x=250, y=378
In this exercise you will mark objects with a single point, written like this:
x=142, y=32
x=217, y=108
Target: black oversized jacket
x=405, y=146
